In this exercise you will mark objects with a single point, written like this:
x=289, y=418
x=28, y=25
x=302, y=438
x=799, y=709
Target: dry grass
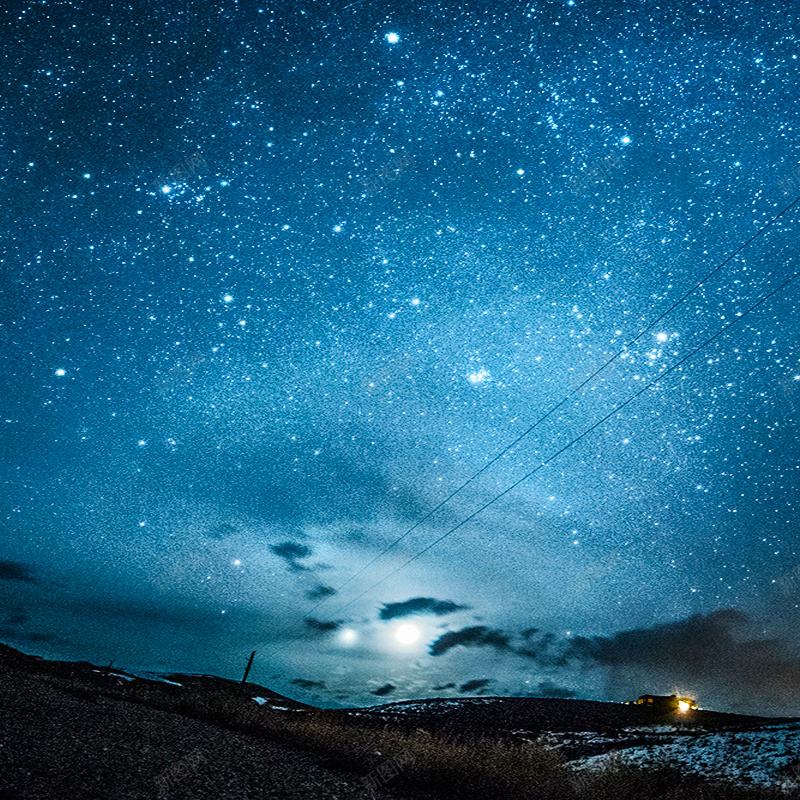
x=461, y=767
x=465, y=767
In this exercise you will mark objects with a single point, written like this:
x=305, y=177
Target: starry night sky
x=278, y=278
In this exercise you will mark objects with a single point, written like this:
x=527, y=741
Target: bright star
x=348, y=636
x=392, y=38
x=478, y=377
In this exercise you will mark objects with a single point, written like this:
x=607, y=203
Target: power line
x=555, y=408
x=573, y=441
x=593, y=427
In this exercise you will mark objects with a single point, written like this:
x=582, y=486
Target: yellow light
x=683, y=705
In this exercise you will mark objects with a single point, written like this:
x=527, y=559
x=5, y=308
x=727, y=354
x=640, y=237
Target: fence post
x=247, y=670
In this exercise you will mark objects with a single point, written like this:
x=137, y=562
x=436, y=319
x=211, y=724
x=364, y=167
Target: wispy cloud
x=319, y=626
x=291, y=552
x=475, y=636
x=16, y=571
x=419, y=605
x=475, y=685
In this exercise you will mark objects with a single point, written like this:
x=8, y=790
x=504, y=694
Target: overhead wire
x=555, y=407
x=576, y=439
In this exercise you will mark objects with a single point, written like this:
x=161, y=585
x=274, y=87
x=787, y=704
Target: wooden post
x=249, y=664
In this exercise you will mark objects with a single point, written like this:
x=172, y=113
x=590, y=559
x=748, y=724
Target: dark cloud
x=549, y=689
x=691, y=643
x=419, y=605
x=720, y=658
x=16, y=618
x=14, y=634
x=222, y=531
x=290, y=552
x=384, y=690
x=474, y=685
x=306, y=684
x=475, y=636
x=443, y=687
x=16, y=571
x=319, y=592
x=547, y=650
x=320, y=626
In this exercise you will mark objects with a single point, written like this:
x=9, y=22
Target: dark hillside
x=534, y=714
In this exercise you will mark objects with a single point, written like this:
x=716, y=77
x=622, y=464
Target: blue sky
x=278, y=279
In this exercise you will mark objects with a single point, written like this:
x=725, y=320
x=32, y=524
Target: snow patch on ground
x=765, y=757
x=262, y=700
x=151, y=676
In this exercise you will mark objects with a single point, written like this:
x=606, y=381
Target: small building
x=667, y=703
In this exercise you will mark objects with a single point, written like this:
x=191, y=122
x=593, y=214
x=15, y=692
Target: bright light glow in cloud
x=407, y=633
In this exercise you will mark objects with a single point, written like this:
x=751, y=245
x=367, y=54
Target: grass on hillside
x=463, y=767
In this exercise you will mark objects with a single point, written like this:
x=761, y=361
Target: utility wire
x=555, y=408
x=555, y=455
x=593, y=427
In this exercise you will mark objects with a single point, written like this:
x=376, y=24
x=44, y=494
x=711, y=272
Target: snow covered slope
x=768, y=756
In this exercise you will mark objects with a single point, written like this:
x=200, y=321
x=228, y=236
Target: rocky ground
x=54, y=745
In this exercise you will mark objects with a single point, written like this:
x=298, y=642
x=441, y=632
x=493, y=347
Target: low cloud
x=475, y=636
x=222, y=531
x=16, y=571
x=384, y=690
x=443, y=687
x=305, y=684
x=320, y=592
x=722, y=659
x=474, y=685
x=419, y=605
x=549, y=689
x=16, y=635
x=548, y=650
x=319, y=626
x=290, y=552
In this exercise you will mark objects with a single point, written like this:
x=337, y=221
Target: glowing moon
x=407, y=634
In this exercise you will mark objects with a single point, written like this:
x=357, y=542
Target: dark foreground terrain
x=75, y=730
x=78, y=731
